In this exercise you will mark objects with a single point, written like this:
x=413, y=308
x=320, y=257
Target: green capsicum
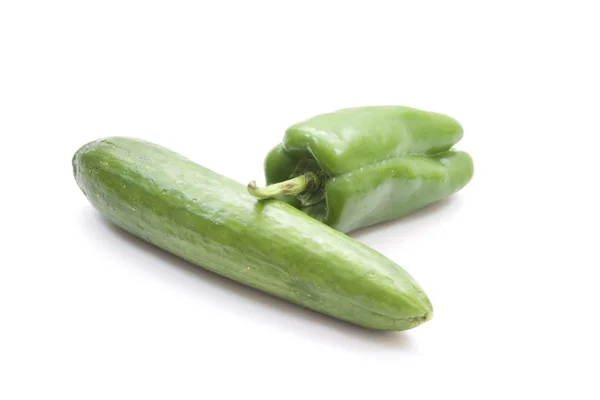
x=357, y=167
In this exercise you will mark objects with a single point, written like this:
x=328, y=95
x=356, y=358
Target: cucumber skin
x=213, y=222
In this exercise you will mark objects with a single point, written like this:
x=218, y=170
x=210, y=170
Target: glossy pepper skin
x=374, y=163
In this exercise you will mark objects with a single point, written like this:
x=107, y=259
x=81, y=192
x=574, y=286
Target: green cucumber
x=213, y=222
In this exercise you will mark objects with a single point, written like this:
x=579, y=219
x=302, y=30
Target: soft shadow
x=426, y=212
x=268, y=309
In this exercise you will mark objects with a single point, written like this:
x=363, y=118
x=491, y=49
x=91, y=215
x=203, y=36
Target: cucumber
x=213, y=222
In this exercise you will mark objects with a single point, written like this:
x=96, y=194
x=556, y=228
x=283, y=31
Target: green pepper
x=357, y=167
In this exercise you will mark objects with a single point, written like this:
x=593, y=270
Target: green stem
x=303, y=183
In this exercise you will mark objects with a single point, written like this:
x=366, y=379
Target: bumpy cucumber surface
x=213, y=222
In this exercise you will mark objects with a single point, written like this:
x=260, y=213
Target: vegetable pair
x=348, y=169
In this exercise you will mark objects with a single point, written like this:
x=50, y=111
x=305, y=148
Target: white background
x=510, y=263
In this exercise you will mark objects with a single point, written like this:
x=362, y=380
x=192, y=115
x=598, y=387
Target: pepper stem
x=303, y=183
